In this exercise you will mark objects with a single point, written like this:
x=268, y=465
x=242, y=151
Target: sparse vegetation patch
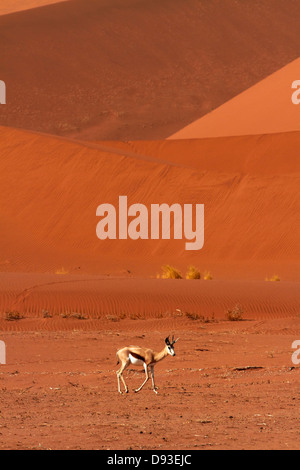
x=235, y=314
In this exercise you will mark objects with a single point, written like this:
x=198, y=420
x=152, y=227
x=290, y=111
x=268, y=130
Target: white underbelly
x=134, y=361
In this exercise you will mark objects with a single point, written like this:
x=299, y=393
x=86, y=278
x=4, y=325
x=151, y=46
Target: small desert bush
x=194, y=316
x=202, y=318
x=207, y=276
x=193, y=273
x=13, y=316
x=169, y=272
x=274, y=278
x=76, y=315
x=61, y=271
x=236, y=314
x=46, y=314
x=136, y=316
x=113, y=318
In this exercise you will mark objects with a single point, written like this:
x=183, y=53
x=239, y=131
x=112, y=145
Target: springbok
x=136, y=356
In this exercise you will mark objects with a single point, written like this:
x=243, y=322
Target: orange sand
x=59, y=388
x=105, y=298
x=52, y=187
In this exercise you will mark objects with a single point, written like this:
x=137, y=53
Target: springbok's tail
x=118, y=360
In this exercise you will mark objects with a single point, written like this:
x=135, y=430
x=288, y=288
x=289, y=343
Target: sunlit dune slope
x=50, y=189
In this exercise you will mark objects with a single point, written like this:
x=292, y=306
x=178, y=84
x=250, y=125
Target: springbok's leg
x=152, y=377
x=119, y=375
x=147, y=377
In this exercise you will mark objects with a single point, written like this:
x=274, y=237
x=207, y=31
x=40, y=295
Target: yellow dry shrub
x=235, y=314
x=62, y=270
x=169, y=272
x=193, y=273
x=207, y=276
x=274, y=278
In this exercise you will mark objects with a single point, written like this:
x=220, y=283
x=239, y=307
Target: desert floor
x=231, y=385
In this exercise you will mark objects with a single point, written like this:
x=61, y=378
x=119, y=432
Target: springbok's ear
x=167, y=340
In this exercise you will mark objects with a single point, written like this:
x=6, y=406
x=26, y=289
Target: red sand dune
x=111, y=299
x=264, y=155
x=51, y=188
x=264, y=108
x=138, y=69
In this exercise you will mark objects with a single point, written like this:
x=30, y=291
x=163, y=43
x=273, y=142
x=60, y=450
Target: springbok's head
x=169, y=345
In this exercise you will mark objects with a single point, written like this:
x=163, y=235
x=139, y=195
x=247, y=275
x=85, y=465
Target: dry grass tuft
x=46, y=314
x=76, y=315
x=193, y=273
x=274, y=278
x=201, y=318
x=62, y=270
x=113, y=318
x=13, y=316
x=169, y=272
x=236, y=314
x=207, y=276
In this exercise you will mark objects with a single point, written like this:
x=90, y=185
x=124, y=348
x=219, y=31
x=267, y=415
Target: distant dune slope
x=266, y=107
x=50, y=189
x=138, y=69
